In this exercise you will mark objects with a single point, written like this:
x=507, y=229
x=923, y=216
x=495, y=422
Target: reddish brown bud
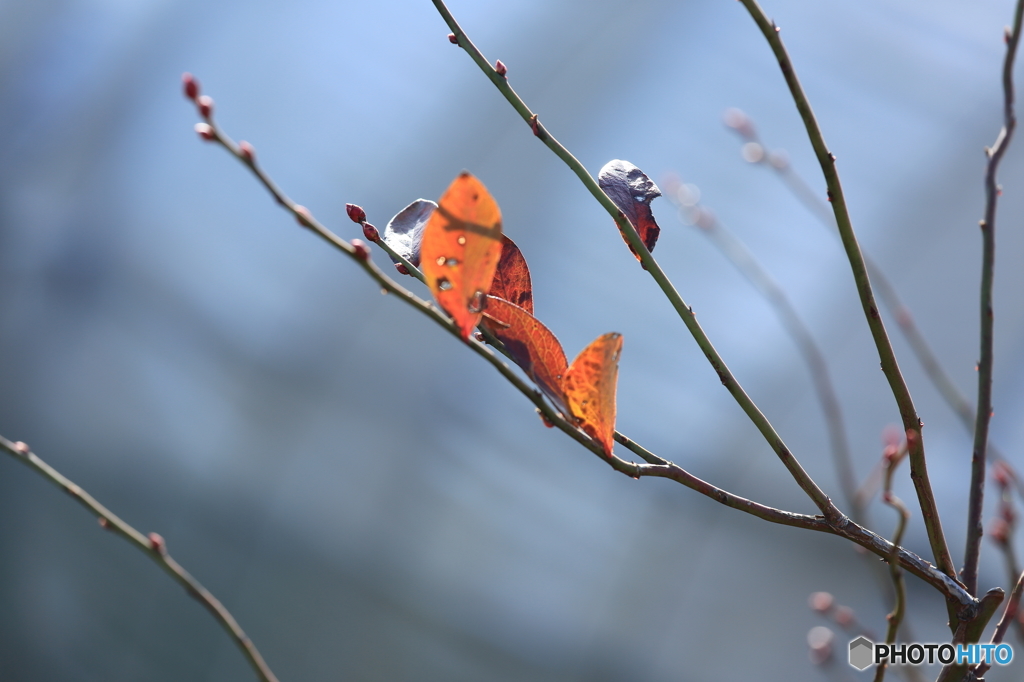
x=205, y=104
x=535, y=125
x=362, y=251
x=205, y=131
x=355, y=213
x=22, y=448
x=820, y=601
x=157, y=544
x=303, y=216
x=999, y=530
x=247, y=151
x=371, y=233
x=844, y=616
x=104, y=524
x=1002, y=473
x=452, y=39
x=479, y=336
x=190, y=85
x=500, y=68
x=402, y=270
x=545, y=420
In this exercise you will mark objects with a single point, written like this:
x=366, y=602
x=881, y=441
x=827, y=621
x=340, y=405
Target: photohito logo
x=864, y=653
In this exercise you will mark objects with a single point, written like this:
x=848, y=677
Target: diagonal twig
x=908, y=413
x=152, y=546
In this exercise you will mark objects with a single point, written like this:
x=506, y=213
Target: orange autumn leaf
x=589, y=387
x=460, y=250
x=512, y=278
x=531, y=345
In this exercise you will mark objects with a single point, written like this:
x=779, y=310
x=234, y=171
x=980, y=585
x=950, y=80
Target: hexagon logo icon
x=861, y=653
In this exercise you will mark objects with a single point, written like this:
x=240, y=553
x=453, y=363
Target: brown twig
x=988, y=232
x=152, y=546
x=1009, y=614
x=893, y=456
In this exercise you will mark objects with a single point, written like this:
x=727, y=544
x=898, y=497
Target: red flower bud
x=362, y=251
x=371, y=233
x=402, y=270
x=355, y=213
x=452, y=39
x=500, y=68
x=247, y=152
x=157, y=544
x=191, y=85
x=205, y=131
x=22, y=448
x=205, y=104
x=303, y=217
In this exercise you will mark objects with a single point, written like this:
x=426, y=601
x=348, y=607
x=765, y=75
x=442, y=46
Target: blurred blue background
x=371, y=500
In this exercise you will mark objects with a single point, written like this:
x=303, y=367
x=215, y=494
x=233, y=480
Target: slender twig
x=655, y=466
x=893, y=457
x=733, y=248
x=1009, y=615
x=806, y=483
x=988, y=232
x=152, y=546
x=908, y=413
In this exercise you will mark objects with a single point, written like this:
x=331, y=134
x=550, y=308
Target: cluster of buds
x=204, y=105
x=357, y=215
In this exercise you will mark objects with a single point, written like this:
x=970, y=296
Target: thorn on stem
x=361, y=250
x=355, y=213
x=205, y=131
x=190, y=85
x=500, y=68
x=157, y=544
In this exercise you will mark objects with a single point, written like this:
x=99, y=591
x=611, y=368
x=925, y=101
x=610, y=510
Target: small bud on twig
x=247, y=151
x=452, y=39
x=190, y=85
x=22, y=448
x=104, y=524
x=205, y=131
x=371, y=233
x=303, y=216
x=738, y=120
x=205, y=104
x=820, y=601
x=999, y=531
x=500, y=68
x=362, y=251
x=355, y=213
x=402, y=270
x=157, y=544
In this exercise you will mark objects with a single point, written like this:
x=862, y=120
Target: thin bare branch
x=152, y=546
x=988, y=232
x=908, y=413
x=893, y=457
x=1009, y=615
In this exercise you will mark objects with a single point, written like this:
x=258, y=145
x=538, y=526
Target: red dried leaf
x=531, y=345
x=460, y=250
x=632, y=191
x=512, y=278
x=589, y=387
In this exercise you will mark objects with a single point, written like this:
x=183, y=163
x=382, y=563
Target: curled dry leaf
x=632, y=191
x=589, y=387
x=460, y=250
x=404, y=232
x=512, y=278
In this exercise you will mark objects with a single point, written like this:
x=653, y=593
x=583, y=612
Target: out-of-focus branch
x=732, y=247
x=893, y=456
x=152, y=546
x=988, y=233
x=908, y=413
x=1009, y=614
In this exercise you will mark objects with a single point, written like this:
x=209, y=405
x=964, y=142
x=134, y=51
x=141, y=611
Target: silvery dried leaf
x=405, y=231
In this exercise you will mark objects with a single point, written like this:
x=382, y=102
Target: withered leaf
x=632, y=191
